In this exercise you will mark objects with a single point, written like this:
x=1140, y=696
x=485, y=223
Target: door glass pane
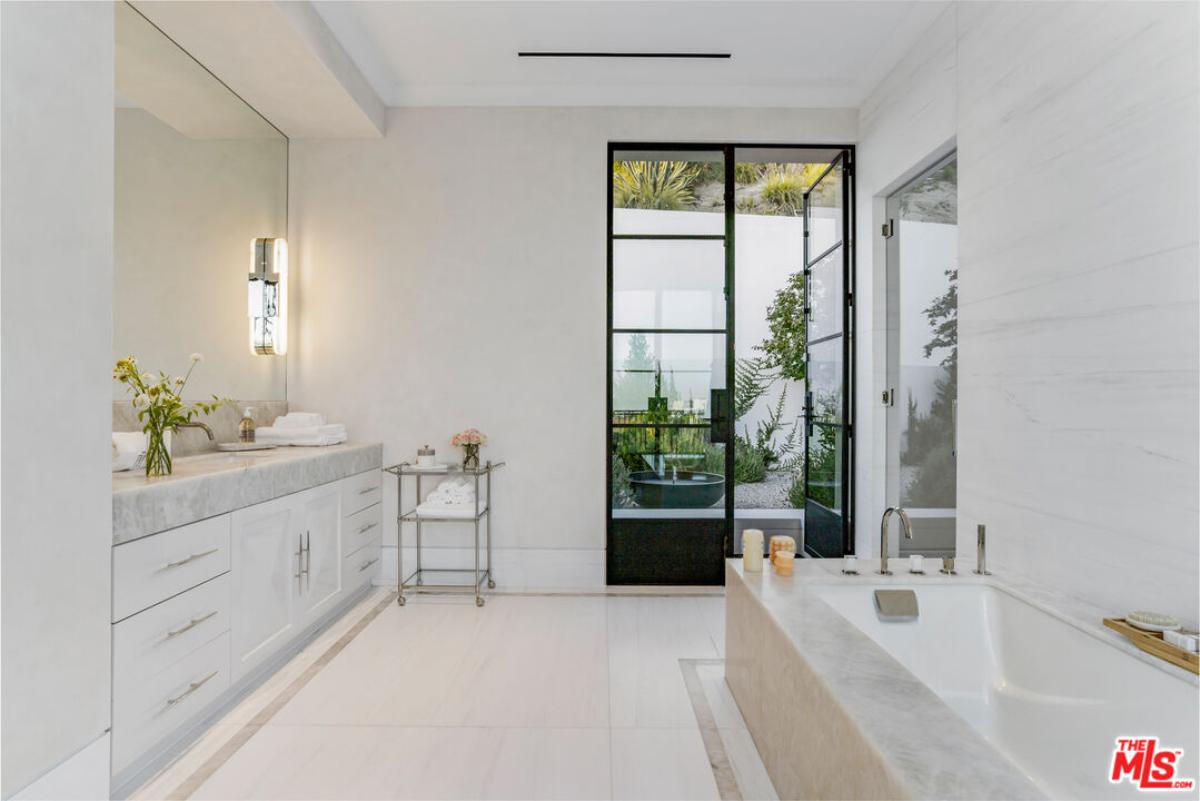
x=825, y=467
x=825, y=376
x=661, y=468
x=825, y=298
x=924, y=309
x=668, y=192
x=666, y=378
x=825, y=220
x=668, y=283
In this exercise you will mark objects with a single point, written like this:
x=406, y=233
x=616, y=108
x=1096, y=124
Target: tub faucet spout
x=883, y=536
x=981, y=550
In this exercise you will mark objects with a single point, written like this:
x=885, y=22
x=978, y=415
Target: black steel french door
x=671, y=356
x=829, y=298
x=670, y=314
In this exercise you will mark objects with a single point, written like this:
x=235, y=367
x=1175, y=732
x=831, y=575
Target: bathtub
x=1050, y=697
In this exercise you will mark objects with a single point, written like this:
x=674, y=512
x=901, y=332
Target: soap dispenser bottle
x=246, y=427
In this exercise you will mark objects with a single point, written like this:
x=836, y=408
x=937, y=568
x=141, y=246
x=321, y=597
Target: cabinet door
x=266, y=558
x=321, y=585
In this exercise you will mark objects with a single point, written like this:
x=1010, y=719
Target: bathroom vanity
x=223, y=570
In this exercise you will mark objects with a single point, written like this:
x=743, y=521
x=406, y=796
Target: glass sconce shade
x=267, y=296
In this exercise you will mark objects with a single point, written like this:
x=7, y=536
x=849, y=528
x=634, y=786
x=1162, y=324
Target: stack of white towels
x=128, y=450
x=454, y=497
x=301, y=428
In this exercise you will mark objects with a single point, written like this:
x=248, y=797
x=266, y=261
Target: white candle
x=752, y=550
x=916, y=563
x=849, y=564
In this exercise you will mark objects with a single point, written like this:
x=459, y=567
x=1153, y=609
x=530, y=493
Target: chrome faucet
x=883, y=536
x=981, y=550
x=198, y=424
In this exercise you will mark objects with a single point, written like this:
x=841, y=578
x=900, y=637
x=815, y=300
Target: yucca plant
x=661, y=185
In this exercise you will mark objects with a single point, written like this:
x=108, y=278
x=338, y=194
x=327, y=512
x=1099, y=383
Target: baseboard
x=83, y=775
x=513, y=568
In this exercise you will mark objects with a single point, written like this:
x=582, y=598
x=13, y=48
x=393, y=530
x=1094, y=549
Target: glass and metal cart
x=481, y=512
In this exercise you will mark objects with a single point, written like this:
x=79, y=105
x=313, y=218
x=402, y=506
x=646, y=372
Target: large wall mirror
x=199, y=175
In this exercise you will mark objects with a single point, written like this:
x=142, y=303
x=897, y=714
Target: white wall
x=453, y=274
x=186, y=212
x=1078, y=337
x=1079, y=321
x=57, y=72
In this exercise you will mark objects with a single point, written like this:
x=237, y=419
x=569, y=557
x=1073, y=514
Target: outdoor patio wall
x=453, y=274
x=1079, y=337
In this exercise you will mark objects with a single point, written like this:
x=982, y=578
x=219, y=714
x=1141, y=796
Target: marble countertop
x=215, y=483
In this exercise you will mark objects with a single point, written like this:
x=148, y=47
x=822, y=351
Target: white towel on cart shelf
x=451, y=492
x=464, y=511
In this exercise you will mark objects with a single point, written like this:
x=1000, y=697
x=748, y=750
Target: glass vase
x=158, y=451
x=470, y=457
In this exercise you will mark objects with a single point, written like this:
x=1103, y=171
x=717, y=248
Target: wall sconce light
x=268, y=296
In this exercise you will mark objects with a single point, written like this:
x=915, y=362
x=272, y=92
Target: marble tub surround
x=223, y=422
x=211, y=484
x=859, y=737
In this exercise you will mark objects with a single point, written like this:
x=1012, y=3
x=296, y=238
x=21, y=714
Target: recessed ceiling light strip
x=602, y=54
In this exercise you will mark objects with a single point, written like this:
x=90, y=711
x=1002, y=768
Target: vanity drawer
x=361, y=491
x=146, y=713
x=361, y=528
x=361, y=566
x=152, y=640
x=157, y=567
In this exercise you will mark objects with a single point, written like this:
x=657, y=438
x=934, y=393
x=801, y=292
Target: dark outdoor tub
x=685, y=489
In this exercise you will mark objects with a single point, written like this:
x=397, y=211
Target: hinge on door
x=889, y=229
x=889, y=397
x=849, y=298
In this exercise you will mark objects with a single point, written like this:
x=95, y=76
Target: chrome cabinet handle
x=307, y=552
x=191, y=624
x=195, y=685
x=368, y=490
x=299, y=557
x=368, y=564
x=189, y=558
x=367, y=527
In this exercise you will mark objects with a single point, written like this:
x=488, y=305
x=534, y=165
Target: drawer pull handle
x=364, y=529
x=195, y=685
x=190, y=558
x=191, y=624
x=368, y=564
x=368, y=490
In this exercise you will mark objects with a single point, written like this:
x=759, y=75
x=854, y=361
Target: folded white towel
x=299, y=420
x=462, y=511
x=128, y=447
x=308, y=435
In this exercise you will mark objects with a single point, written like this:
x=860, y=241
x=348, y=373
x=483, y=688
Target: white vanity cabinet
x=266, y=566
x=320, y=585
x=200, y=610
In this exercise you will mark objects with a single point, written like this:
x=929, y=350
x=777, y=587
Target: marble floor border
x=710, y=734
x=243, y=735
x=714, y=746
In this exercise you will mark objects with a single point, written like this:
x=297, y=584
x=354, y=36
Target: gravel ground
x=770, y=493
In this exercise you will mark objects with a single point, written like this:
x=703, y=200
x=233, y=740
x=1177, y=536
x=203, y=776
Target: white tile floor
x=529, y=697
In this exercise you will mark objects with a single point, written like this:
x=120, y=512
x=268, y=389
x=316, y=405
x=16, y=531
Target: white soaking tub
x=1049, y=696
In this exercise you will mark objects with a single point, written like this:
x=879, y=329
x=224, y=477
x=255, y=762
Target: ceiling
x=786, y=53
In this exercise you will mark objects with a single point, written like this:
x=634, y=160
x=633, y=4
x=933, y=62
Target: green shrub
x=747, y=172
x=796, y=491
x=662, y=185
x=622, y=493
x=784, y=190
